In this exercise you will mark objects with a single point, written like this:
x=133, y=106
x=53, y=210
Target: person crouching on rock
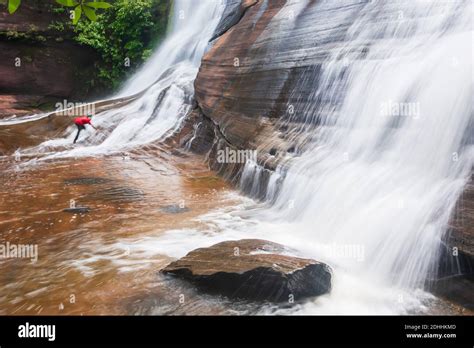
x=81, y=125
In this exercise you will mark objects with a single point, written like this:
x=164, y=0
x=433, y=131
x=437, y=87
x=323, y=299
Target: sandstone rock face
x=253, y=269
x=20, y=105
x=455, y=279
x=233, y=13
x=458, y=289
x=258, y=71
x=264, y=65
x=463, y=220
x=461, y=235
x=39, y=64
x=231, y=95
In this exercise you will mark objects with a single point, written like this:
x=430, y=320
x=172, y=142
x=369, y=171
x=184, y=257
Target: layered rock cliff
x=246, y=99
x=39, y=64
x=47, y=59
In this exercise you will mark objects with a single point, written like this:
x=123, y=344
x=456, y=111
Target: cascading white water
x=383, y=176
x=192, y=25
x=167, y=81
x=372, y=195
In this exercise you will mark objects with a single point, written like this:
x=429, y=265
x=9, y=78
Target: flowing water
x=165, y=84
x=373, y=194
x=370, y=194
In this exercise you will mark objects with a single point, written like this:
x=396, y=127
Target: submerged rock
x=458, y=289
x=174, y=209
x=253, y=269
x=77, y=210
x=87, y=181
x=118, y=194
x=458, y=256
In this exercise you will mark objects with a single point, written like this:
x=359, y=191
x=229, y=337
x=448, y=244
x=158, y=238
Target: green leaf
x=77, y=14
x=13, y=5
x=68, y=3
x=90, y=13
x=98, y=4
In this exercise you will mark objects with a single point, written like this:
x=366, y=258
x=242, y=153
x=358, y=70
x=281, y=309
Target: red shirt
x=81, y=121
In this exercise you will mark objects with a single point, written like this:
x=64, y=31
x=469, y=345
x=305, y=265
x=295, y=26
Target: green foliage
x=57, y=26
x=146, y=54
x=29, y=36
x=76, y=14
x=119, y=31
x=80, y=6
x=69, y=3
x=58, y=10
x=13, y=5
x=127, y=32
x=84, y=6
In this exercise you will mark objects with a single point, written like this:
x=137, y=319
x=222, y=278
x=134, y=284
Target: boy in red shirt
x=81, y=125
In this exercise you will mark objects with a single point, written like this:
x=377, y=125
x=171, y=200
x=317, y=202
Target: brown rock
x=39, y=60
x=261, y=62
x=458, y=254
x=20, y=105
x=41, y=65
x=253, y=269
x=462, y=223
x=457, y=289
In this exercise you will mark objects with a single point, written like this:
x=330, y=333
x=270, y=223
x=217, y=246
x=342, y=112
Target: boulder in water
x=253, y=269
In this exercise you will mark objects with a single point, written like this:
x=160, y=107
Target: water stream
x=371, y=194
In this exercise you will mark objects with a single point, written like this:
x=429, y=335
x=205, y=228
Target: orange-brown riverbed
x=82, y=266
x=105, y=258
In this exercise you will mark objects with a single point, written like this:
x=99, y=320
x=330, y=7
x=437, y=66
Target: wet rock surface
x=77, y=210
x=455, y=278
x=87, y=181
x=118, y=194
x=461, y=231
x=253, y=269
x=174, y=209
x=233, y=13
x=44, y=52
x=252, y=79
x=458, y=289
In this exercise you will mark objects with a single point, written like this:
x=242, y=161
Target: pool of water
x=92, y=233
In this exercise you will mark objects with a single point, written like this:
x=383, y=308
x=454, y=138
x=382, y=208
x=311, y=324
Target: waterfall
x=393, y=145
x=387, y=134
x=192, y=25
x=165, y=83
